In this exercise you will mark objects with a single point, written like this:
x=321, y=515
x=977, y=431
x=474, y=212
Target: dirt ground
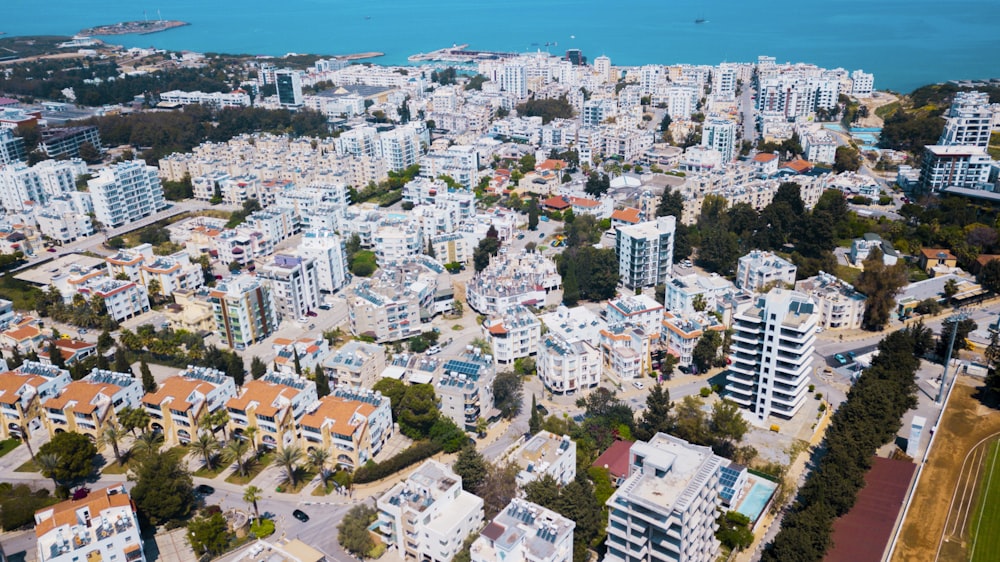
x=948, y=481
x=874, y=103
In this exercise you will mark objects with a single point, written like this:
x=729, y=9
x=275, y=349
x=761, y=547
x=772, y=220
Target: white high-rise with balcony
x=666, y=508
x=126, y=192
x=646, y=252
x=968, y=121
x=720, y=134
x=772, y=353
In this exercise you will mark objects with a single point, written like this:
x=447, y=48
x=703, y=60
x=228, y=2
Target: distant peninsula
x=133, y=27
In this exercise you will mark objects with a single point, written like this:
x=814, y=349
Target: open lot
x=940, y=521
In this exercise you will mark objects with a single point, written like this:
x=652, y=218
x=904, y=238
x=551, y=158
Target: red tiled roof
x=558, y=203
x=551, y=164
x=584, y=202
x=615, y=458
x=765, y=157
x=932, y=253
x=799, y=165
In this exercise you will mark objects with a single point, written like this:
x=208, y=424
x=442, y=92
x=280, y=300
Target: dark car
x=205, y=490
x=311, y=313
x=542, y=409
x=300, y=515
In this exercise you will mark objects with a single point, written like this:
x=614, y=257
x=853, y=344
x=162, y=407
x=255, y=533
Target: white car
x=638, y=385
x=433, y=350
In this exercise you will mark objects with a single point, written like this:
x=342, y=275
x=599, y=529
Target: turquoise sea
x=906, y=43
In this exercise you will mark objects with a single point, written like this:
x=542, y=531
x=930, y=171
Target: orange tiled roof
x=497, y=329
x=11, y=382
x=83, y=393
x=628, y=214
x=584, y=202
x=23, y=333
x=556, y=202
x=338, y=413
x=765, y=157
x=550, y=164
x=932, y=253
x=177, y=388
x=264, y=394
x=799, y=165
x=64, y=513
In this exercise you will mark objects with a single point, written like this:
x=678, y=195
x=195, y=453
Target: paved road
x=748, y=113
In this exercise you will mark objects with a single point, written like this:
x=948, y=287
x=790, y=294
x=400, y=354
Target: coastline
x=132, y=28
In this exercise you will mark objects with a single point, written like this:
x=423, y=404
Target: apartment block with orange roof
x=310, y=351
x=22, y=392
x=353, y=424
x=24, y=335
x=89, y=405
x=177, y=407
x=681, y=333
x=71, y=350
x=101, y=526
x=626, y=351
x=273, y=405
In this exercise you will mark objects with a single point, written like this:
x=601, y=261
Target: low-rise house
x=71, y=350
x=861, y=247
x=759, y=270
x=682, y=332
x=937, y=261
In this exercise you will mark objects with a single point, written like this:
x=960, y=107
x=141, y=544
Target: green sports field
x=985, y=539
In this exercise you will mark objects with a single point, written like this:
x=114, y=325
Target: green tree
x=498, y=487
x=571, y=287
x=690, y=422
x=989, y=276
x=487, y=248
x=706, y=351
x=112, y=435
x=209, y=535
x=322, y=382
x=658, y=416
x=719, y=251
x=727, y=425
x=671, y=203
x=535, y=421
x=879, y=283
x=48, y=465
x=257, y=368
x=76, y=456
x=394, y=390
x=352, y=532
x=319, y=459
x=206, y=447
x=734, y=530
x=508, y=394
x=236, y=451
x=148, y=382
x=846, y=159
x=133, y=419
x=472, y=467
x=532, y=214
x=105, y=341
x=288, y=460
x=251, y=495
x=163, y=491
x=445, y=433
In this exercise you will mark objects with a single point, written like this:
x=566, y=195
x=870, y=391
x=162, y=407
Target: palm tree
x=318, y=459
x=251, y=495
x=237, y=451
x=148, y=442
x=250, y=433
x=112, y=435
x=288, y=459
x=206, y=446
x=49, y=463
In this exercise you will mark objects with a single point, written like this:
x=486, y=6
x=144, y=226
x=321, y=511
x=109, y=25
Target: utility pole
x=954, y=320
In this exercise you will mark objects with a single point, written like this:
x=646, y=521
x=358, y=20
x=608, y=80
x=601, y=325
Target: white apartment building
x=428, y=516
x=681, y=333
x=91, y=404
x=294, y=284
x=819, y=147
x=565, y=366
x=61, y=222
x=393, y=243
x=11, y=147
x=513, y=334
x=682, y=291
x=355, y=364
x=401, y=297
x=464, y=388
x=968, y=121
x=244, y=309
x=759, y=269
x=719, y=134
x=602, y=67
x=172, y=273
x=181, y=402
x=126, y=192
x=453, y=248
x=512, y=279
x=666, y=509
x=123, y=299
x=22, y=186
x=838, y=304
x=219, y=100
x=724, y=81
x=326, y=249
x=645, y=252
x=525, y=532
x=772, y=354
x=102, y=524
x=943, y=167
x=862, y=84
x=546, y=453
x=626, y=351
x=638, y=310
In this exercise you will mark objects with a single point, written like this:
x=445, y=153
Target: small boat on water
x=701, y=20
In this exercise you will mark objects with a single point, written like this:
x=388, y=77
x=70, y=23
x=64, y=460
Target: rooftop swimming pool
x=756, y=499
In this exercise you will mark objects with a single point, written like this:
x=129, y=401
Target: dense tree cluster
x=18, y=504
x=353, y=534
x=508, y=394
x=178, y=348
x=576, y=501
x=869, y=418
x=547, y=109
x=879, y=283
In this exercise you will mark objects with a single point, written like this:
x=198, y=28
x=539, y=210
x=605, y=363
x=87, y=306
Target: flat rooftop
x=44, y=273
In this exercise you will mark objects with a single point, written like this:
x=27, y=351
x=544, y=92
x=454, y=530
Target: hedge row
x=412, y=455
x=868, y=419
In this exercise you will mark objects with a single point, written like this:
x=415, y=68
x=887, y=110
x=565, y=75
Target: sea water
x=905, y=43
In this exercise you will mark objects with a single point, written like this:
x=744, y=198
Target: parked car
x=205, y=490
x=840, y=359
x=638, y=385
x=541, y=235
x=433, y=350
x=300, y=515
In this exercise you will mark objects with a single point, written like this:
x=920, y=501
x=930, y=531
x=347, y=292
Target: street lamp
x=954, y=320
